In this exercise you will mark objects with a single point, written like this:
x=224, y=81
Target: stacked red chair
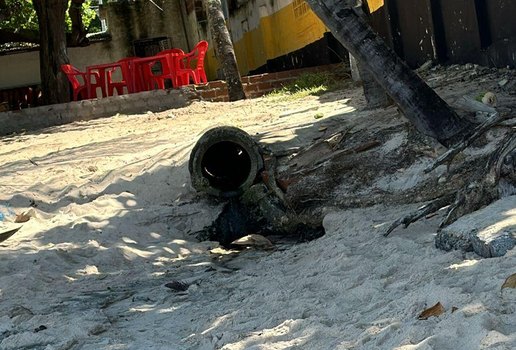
x=127, y=79
x=193, y=66
x=168, y=69
x=86, y=89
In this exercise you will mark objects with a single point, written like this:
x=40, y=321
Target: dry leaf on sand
x=253, y=240
x=23, y=217
x=510, y=282
x=436, y=310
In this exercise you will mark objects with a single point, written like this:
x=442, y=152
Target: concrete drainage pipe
x=225, y=162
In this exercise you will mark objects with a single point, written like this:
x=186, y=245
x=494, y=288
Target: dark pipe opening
x=226, y=165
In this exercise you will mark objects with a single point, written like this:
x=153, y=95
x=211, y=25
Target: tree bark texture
x=418, y=102
x=224, y=49
x=52, y=51
x=78, y=37
x=375, y=95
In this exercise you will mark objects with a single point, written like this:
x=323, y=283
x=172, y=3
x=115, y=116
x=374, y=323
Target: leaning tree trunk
x=52, y=49
x=418, y=102
x=224, y=49
x=373, y=92
x=375, y=95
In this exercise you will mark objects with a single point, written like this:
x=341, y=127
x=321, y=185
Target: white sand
x=113, y=222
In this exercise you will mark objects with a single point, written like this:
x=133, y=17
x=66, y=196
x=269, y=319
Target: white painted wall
x=22, y=69
x=96, y=53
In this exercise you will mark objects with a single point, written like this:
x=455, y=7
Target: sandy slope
x=112, y=221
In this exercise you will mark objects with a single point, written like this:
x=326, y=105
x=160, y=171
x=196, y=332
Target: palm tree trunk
x=224, y=49
x=418, y=102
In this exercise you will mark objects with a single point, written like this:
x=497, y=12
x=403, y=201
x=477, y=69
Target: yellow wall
x=374, y=5
x=286, y=30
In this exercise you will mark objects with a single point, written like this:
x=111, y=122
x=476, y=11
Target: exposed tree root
x=480, y=192
x=484, y=191
x=502, y=161
x=423, y=211
x=469, y=199
x=448, y=156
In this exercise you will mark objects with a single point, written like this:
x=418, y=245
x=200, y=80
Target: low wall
x=255, y=85
x=157, y=100
x=52, y=115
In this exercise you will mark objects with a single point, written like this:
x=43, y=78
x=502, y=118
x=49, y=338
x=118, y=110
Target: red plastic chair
x=81, y=88
x=168, y=70
x=152, y=78
x=173, y=53
x=126, y=82
x=194, y=65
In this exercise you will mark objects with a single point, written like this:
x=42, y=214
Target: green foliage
x=89, y=17
x=305, y=85
x=480, y=96
x=23, y=16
